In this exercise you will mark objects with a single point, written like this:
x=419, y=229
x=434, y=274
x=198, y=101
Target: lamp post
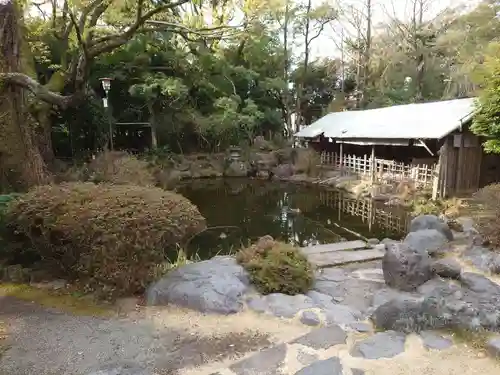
x=106, y=85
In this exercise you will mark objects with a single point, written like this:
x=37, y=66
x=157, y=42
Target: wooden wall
x=460, y=164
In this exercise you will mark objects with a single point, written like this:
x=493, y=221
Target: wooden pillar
x=341, y=156
x=460, y=165
x=372, y=162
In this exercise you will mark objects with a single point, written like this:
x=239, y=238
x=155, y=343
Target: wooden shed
x=430, y=143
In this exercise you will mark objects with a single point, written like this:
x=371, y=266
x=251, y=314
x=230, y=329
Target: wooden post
x=341, y=155
x=460, y=165
x=372, y=162
x=437, y=183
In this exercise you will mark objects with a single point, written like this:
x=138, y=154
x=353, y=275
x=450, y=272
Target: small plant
x=487, y=213
x=276, y=267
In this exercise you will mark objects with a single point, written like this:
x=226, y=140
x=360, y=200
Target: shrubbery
x=112, y=236
x=276, y=267
x=487, y=213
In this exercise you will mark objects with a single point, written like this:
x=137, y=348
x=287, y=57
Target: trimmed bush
x=276, y=267
x=112, y=236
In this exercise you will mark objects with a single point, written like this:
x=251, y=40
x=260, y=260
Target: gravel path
x=47, y=342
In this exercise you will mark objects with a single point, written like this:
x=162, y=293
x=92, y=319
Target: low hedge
x=276, y=267
x=112, y=236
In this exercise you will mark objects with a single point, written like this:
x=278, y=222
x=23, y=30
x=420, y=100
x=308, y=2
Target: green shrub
x=276, y=267
x=112, y=236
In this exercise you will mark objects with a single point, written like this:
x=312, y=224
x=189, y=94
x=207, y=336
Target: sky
x=327, y=44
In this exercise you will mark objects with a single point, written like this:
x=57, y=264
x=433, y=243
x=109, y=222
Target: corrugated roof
x=411, y=121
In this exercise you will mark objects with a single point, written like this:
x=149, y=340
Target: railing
x=384, y=170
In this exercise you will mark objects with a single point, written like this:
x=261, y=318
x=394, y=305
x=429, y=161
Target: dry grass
x=308, y=162
x=486, y=213
x=475, y=339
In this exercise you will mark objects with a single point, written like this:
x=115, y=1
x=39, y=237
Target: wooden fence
x=381, y=170
x=372, y=214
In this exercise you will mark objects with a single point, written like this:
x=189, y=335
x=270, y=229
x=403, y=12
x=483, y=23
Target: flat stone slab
x=336, y=258
x=330, y=366
x=433, y=340
x=265, y=362
x=381, y=345
x=323, y=338
x=338, y=246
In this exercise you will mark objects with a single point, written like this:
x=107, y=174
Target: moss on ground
x=64, y=300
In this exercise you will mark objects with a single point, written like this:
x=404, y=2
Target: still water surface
x=239, y=211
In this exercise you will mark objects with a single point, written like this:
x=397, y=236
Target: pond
x=239, y=211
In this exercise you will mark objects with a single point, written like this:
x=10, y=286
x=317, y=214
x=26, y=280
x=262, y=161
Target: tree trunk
x=152, y=124
x=19, y=153
x=286, y=93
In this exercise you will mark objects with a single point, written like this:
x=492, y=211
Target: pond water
x=239, y=211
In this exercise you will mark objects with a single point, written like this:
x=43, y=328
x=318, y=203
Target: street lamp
x=106, y=85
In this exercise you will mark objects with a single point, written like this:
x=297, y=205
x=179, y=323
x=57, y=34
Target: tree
x=486, y=122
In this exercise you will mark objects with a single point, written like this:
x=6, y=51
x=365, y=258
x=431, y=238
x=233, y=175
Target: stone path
x=339, y=246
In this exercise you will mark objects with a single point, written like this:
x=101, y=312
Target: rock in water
x=429, y=240
x=423, y=222
x=215, y=286
x=405, y=268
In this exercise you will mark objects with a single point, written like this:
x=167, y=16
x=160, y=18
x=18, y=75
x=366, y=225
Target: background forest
x=209, y=74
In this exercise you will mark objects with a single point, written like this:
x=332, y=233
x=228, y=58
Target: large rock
x=428, y=240
x=405, y=268
x=236, y=169
x=284, y=170
x=447, y=267
x=381, y=345
x=423, y=222
x=216, y=285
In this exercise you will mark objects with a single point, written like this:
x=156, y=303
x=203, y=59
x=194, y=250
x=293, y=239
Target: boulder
x=283, y=170
x=426, y=240
x=214, y=286
x=447, y=267
x=423, y=222
x=405, y=268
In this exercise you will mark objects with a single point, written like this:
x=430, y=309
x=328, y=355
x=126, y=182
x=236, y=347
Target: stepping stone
x=432, y=340
x=339, y=246
x=265, y=362
x=330, y=366
x=310, y=318
x=357, y=371
x=306, y=358
x=493, y=347
x=382, y=345
x=336, y=258
x=323, y=338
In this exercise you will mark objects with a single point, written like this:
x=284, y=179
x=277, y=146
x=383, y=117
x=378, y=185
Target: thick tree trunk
x=19, y=154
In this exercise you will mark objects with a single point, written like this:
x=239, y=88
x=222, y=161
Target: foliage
x=487, y=213
x=276, y=267
x=486, y=121
x=120, y=168
x=112, y=236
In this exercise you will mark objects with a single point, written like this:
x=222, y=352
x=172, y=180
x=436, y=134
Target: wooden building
x=430, y=143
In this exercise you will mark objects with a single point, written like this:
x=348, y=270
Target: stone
x=341, y=314
x=357, y=371
x=494, y=265
x=400, y=314
x=306, y=358
x=236, y=169
x=285, y=306
x=426, y=240
x=381, y=345
x=320, y=299
x=310, y=318
x=265, y=362
x=330, y=366
x=373, y=241
x=481, y=257
x=334, y=258
x=283, y=170
x=385, y=295
x=214, y=286
x=423, y=222
x=493, y=347
x=432, y=340
x=361, y=326
x=257, y=304
x=405, y=268
x=122, y=369
x=387, y=241
x=323, y=338
x=479, y=283
x=332, y=274
x=447, y=267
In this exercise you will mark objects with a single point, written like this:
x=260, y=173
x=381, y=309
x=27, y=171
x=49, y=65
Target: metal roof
x=410, y=121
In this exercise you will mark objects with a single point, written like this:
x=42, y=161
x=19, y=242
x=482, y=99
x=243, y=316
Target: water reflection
x=240, y=211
